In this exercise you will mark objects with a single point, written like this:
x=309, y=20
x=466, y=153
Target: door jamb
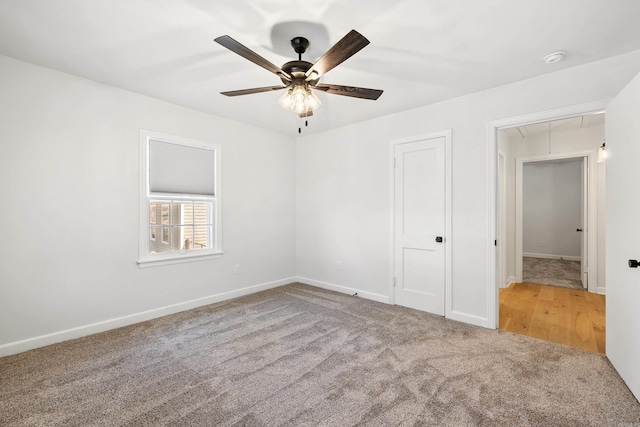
x=447, y=134
x=501, y=232
x=492, y=185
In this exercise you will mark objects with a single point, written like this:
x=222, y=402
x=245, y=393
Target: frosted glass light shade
x=299, y=99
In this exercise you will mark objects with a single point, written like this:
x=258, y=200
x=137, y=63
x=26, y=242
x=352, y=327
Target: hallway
x=555, y=272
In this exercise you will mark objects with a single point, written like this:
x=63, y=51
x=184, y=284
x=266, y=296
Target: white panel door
x=419, y=222
x=623, y=234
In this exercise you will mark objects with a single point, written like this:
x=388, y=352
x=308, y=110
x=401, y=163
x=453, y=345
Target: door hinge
x=495, y=243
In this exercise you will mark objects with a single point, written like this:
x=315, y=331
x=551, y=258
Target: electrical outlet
x=236, y=269
x=339, y=265
x=543, y=243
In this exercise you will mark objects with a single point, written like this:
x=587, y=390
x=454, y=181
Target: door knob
x=633, y=263
x=439, y=239
x=579, y=230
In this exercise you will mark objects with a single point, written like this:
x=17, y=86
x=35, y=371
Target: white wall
x=344, y=184
x=552, y=211
x=562, y=141
x=69, y=179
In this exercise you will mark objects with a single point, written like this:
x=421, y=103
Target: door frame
x=447, y=212
x=501, y=238
x=590, y=156
x=493, y=127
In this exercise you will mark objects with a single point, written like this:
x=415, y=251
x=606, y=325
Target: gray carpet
x=554, y=272
x=301, y=356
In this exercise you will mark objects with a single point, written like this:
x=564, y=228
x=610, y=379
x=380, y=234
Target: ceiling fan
x=299, y=77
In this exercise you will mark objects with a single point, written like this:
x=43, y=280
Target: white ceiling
x=421, y=51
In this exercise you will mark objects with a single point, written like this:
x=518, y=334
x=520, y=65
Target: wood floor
x=565, y=316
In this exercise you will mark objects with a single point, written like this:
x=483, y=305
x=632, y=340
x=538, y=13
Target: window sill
x=177, y=259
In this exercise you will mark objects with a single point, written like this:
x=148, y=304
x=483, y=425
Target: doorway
x=551, y=145
x=552, y=219
x=572, y=138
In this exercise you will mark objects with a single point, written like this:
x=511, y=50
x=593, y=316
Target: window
x=180, y=203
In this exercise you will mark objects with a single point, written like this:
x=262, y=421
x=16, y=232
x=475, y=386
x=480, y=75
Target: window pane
x=184, y=238
x=201, y=213
x=153, y=213
x=156, y=245
x=166, y=235
x=165, y=217
x=202, y=237
x=182, y=213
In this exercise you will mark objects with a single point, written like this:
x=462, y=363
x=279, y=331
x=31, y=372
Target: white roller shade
x=175, y=168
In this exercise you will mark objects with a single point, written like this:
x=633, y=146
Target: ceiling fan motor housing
x=297, y=70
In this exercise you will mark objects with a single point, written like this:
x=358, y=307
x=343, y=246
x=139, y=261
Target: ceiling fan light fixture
x=299, y=99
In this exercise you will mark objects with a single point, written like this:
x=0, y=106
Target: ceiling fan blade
x=346, y=47
x=253, y=90
x=355, y=92
x=247, y=53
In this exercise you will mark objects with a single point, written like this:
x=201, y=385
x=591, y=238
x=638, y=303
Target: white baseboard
x=509, y=281
x=470, y=319
x=343, y=289
x=549, y=256
x=602, y=290
x=105, y=325
x=454, y=315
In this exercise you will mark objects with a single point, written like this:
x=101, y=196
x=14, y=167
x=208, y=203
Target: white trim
x=343, y=289
x=492, y=297
x=594, y=107
x=501, y=232
x=448, y=262
x=470, y=319
x=448, y=237
x=177, y=258
x=602, y=290
x=509, y=281
x=392, y=204
x=118, y=322
x=551, y=256
x=492, y=177
x=592, y=234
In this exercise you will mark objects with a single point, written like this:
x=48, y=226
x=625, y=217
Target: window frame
x=147, y=259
